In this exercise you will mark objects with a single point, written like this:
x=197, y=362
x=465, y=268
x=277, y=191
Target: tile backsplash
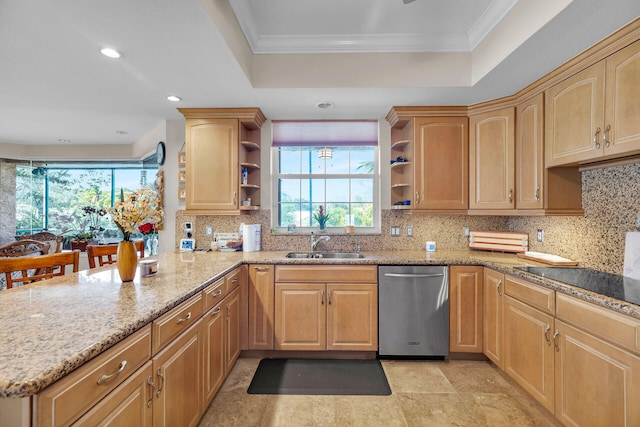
x=610, y=198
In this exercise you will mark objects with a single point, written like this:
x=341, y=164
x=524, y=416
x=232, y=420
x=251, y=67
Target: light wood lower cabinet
x=314, y=310
x=493, y=315
x=178, y=379
x=597, y=384
x=63, y=402
x=261, y=307
x=129, y=405
x=465, y=308
x=528, y=349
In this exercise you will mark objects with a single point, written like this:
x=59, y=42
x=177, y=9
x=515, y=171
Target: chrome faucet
x=314, y=241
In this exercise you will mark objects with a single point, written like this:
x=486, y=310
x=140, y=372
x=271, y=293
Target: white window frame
x=275, y=176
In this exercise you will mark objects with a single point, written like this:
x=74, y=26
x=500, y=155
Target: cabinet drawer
x=232, y=279
x=169, y=325
x=66, y=400
x=327, y=273
x=536, y=296
x=214, y=293
x=606, y=324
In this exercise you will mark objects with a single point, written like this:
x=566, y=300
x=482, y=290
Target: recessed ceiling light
x=122, y=132
x=174, y=98
x=325, y=105
x=111, y=53
x=64, y=141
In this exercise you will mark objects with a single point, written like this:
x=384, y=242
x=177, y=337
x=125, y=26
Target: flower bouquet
x=141, y=208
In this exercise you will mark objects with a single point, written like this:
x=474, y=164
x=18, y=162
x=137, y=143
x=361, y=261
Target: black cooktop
x=611, y=285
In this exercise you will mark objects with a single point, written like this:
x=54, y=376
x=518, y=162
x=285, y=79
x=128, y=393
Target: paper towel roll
x=632, y=255
x=251, y=237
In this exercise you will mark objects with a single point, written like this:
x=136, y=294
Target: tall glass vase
x=154, y=244
x=127, y=261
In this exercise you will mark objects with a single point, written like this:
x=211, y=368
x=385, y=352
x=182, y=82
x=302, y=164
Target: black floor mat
x=320, y=376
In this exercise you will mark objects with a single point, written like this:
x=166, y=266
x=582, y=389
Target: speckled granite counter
x=53, y=327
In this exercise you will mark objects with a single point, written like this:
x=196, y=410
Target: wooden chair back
x=23, y=248
x=55, y=241
x=106, y=254
x=34, y=268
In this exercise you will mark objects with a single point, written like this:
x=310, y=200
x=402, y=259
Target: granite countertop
x=50, y=328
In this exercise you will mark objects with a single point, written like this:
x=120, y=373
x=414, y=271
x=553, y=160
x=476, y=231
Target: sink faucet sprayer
x=314, y=242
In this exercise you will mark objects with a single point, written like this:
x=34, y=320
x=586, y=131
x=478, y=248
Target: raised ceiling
x=363, y=55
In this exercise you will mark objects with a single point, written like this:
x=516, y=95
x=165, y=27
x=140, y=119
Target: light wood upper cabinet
x=441, y=159
x=530, y=153
x=465, y=308
x=492, y=160
x=220, y=142
x=433, y=141
x=593, y=115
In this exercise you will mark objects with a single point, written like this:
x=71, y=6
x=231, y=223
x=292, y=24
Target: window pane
x=362, y=160
x=289, y=190
x=337, y=190
x=30, y=213
x=362, y=190
x=289, y=214
x=339, y=162
x=317, y=191
x=362, y=214
x=290, y=160
x=318, y=165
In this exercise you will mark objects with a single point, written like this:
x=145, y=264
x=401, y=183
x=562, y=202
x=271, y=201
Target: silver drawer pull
x=216, y=311
x=184, y=319
x=104, y=378
x=412, y=275
x=217, y=293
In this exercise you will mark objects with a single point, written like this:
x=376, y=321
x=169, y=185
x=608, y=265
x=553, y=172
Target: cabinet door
x=493, y=284
x=300, y=316
x=232, y=329
x=212, y=164
x=530, y=154
x=261, y=306
x=528, y=349
x=465, y=308
x=352, y=317
x=178, y=378
x=491, y=160
x=597, y=384
x=623, y=102
x=214, y=352
x=441, y=159
x=127, y=405
x=574, y=113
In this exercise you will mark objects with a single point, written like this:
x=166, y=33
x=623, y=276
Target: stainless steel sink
x=331, y=255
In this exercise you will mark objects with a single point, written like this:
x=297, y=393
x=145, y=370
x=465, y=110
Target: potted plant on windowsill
x=79, y=229
x=322, y=217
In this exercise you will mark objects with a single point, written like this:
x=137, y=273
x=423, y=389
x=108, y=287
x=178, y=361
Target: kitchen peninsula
x=54, y=327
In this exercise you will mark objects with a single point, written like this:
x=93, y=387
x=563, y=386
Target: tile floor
x=424, y=393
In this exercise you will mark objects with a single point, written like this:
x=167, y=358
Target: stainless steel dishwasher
x=413, y=312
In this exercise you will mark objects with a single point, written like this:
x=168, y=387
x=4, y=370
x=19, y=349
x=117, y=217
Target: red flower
x=147, y=228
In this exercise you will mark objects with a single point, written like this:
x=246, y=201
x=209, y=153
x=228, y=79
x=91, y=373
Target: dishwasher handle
x=412, y=275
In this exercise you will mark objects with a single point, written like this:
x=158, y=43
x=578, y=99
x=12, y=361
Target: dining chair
x=24, y=247
x=34, y=268
x=106, y=254
x=54, y=240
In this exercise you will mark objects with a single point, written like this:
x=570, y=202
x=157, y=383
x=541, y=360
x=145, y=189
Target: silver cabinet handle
x=596, y=138
x=538, y=193
x=161, y=377
x=417, y=197
x=184, y=319
x=510, y=195
x=217, y=293
x=498, y=287
x=153, y=389
x=330, y=297
x=412, y=275
x=216, y=311
x=107, y=377
x=261, y=268
x=322, y=297
x=547, y=337
x=555, y=340
x=607, y=143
